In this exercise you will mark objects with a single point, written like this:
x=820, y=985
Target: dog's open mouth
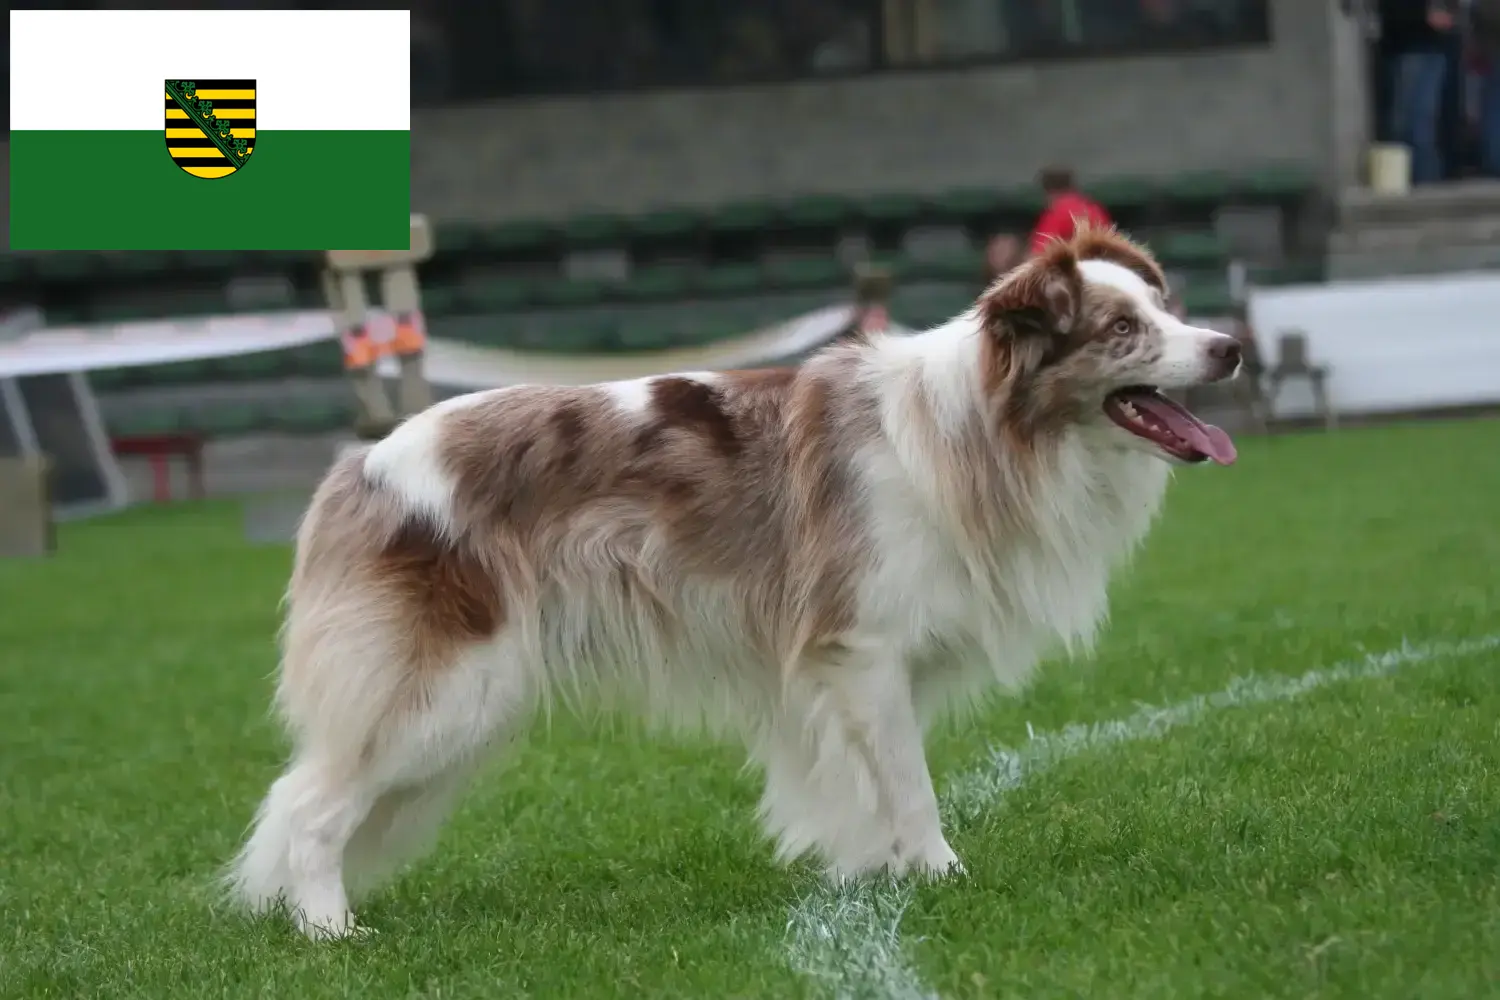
x=1146, y=413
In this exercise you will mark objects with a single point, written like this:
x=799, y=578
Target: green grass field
x=1344, y=843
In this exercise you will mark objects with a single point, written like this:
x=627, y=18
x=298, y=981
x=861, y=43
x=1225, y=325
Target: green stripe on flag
x=121, y=191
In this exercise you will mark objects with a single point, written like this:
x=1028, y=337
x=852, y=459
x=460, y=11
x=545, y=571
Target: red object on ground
x=1060, y=218
x=158, y=449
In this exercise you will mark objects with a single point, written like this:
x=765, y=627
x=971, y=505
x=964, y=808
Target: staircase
x=1440, y=228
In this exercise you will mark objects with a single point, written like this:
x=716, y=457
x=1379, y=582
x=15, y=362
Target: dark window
x=475, y=50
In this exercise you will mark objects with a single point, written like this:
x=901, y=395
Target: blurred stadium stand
x=627, y=175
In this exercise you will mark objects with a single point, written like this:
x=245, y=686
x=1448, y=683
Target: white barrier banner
x=125, y=345
x=1390, y=345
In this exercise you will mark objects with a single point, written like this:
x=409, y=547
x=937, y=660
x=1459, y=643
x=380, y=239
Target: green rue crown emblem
x=205, y=109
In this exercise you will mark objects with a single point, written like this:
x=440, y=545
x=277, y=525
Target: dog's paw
x=932, y=861
x=332, y=928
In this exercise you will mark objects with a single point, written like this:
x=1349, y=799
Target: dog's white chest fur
x=970, y=619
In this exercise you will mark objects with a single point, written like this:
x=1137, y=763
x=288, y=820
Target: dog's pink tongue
x=1205, y=438
x=1217, y=445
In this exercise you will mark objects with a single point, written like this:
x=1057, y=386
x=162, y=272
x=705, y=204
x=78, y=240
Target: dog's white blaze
x=1119, y=277
x=1184, y=358
x=407, y=460
x=849, y=937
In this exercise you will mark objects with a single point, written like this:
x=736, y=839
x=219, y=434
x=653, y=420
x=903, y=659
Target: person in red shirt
x=1066, y=207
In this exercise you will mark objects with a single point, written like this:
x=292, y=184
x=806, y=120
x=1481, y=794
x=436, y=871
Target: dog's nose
x=1225, y=352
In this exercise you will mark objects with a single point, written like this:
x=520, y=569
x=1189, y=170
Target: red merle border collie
x=819, y=559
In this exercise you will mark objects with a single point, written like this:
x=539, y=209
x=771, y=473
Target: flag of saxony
x=210, y=125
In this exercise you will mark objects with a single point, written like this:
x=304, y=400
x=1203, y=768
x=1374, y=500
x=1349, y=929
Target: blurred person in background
x=1415, y=39
x=1067, y=206
x=1484, y=22
x=1001, y=253
x=430, y=57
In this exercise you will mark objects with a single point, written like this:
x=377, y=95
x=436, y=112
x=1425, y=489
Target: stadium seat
x=280, y=260
x=575, y=337
x=458, y=236
x=1201, y=188
x=1277, y=181
x=229, y=420
x=1190, y=250
x=140, y=262
x=14, y=268
x=902, y=209
x=666, y=281
x=665, y=224
x=817, y=211
x=816, y=272
x=714, y=328
x=586, y=232
x=957, y=265
x=110, y=379
x=1207, y=298
x=495, y=296
x=564, y=292
x=1304, y=272
x=175, y=373
x=145, y=423
x=967, y=204
x=521, y=336
x=731, y=279
x=260, y=365
x=204, y=261
x=515, y=237
x=134, y=312
x=1122, y=194
x=320, y=360
x=926, y=307
x=311, y=416
x=441, y=300
x=67, y=265
x=490, y=330
x=741, y=217
x=66, y=315
x=646, y=335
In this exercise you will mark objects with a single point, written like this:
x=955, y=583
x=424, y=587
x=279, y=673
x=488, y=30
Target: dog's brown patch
x=692, y=406
x=449, y=597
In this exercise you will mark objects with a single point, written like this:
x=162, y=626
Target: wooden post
x=346, y=291
x=403, y=299
x=401, y=332
x=26, y=526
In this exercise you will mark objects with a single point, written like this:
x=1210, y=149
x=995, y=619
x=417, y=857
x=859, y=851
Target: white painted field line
x=849, y=938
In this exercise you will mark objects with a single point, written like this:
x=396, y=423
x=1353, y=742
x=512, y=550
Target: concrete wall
x=905, y=132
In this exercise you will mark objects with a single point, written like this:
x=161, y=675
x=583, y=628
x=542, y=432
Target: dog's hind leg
x=368, y=788
x=401, y=826
x=328, y=801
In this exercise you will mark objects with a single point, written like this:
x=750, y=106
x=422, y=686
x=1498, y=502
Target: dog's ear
x=1042, y=297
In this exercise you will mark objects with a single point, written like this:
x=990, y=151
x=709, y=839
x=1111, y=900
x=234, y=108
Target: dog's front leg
x=871, y=693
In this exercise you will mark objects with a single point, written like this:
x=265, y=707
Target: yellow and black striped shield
x=210, y=125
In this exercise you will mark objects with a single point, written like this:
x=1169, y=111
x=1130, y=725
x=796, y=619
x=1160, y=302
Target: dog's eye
x=1123, y=326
